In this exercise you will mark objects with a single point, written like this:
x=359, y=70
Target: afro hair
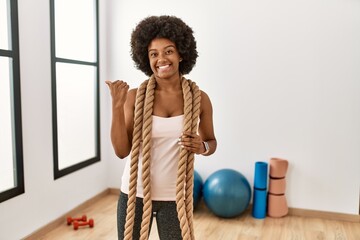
x=169, y=27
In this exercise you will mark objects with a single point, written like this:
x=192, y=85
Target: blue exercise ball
x=227, y=193
x=197, y=190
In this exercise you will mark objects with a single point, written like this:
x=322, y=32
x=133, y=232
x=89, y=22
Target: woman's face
x=164, y=58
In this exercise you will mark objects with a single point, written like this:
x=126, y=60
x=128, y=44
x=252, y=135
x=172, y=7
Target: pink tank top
x=164, y=160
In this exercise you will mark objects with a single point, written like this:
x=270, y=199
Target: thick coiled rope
x=185, y=173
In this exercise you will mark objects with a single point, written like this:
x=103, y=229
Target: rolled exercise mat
x=277, y=204
x=259, y=203
x=260, y=190
x=278, y=167
x=261, y=175
x=277, y=186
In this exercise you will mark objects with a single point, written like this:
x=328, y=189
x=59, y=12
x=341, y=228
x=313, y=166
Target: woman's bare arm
x=123, y=102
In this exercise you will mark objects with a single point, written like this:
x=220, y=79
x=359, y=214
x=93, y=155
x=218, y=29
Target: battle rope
x=185, y=173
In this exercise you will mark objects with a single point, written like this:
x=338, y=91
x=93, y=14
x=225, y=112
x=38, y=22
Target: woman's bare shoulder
x=131, y=97
x=206, y=106
x=205, y=97
x=133, y=91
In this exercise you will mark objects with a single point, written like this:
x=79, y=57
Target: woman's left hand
x=192, y=142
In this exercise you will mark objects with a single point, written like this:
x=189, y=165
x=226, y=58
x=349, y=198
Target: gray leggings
x=167, y=221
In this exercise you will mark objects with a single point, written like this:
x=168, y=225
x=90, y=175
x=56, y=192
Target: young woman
x=163, y=123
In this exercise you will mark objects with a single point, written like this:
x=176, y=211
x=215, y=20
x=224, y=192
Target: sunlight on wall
x=6, y=139
x=76, y=121
x=4, y=39
x=79, y=34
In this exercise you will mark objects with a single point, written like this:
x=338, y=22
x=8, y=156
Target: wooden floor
x=209, y=227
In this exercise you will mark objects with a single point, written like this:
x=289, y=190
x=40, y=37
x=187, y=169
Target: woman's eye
x=153, y=54
x=169, y=51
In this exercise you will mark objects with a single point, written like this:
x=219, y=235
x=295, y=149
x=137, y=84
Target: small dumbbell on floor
x=70, y=219
x=78, y=224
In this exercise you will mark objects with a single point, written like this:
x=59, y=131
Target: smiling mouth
x=163, y=67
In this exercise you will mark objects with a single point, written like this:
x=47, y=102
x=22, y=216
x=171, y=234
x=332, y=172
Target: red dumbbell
x=70, y=219
x=90, y=223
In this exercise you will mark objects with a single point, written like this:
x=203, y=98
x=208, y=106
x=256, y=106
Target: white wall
x=284, y=79
x=46, y=199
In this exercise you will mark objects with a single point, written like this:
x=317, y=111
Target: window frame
x=54, y=59
x=16, y=117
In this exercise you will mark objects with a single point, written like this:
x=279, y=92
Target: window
x=11, y=153
x=75, y=84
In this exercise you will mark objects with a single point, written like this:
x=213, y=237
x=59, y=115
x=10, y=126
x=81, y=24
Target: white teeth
x=161, y=67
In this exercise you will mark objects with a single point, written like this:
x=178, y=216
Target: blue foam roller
x=259, y=204
x=261, y=175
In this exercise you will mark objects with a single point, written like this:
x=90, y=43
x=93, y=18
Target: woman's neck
x=173, y=84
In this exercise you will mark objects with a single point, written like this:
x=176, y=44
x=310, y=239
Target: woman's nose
x=161, y=58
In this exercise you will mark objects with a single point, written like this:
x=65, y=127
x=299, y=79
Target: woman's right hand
x=121, y=126
x=118, y=91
